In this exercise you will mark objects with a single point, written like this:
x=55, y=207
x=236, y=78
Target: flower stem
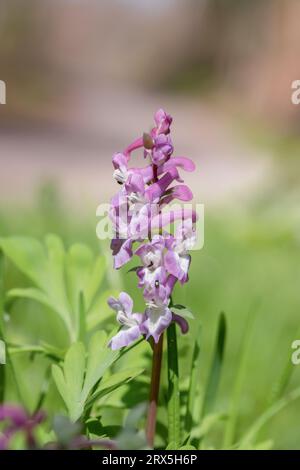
x=156, y=372
x=173, y=389
x=154, y=391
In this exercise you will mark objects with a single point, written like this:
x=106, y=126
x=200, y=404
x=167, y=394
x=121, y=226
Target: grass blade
x=194, y=382
x=237, y=388
x=216, y=368
x=173, y=388
x=268, y=414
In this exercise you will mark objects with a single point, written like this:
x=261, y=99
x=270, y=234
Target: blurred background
x=84, y=79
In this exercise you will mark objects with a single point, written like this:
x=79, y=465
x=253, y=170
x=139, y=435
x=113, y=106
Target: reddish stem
x=154, y=391
x=155, y=375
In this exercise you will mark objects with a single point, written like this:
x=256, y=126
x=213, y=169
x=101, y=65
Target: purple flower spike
x=139, y=217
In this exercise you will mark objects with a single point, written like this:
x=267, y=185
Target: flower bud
x=148, y=141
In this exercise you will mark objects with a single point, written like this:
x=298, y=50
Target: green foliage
x=79, y=379
x=66, y=282
x=68, y=290
x=216, y=368
x=248, y=402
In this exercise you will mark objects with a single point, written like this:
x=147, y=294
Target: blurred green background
x=84, y=79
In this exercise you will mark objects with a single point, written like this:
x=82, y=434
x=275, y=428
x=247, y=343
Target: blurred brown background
x=85, y=77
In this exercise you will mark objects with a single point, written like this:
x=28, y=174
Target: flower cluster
x=138, y=216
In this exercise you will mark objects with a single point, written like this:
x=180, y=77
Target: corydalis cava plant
x=140, y=213
x=139, y=217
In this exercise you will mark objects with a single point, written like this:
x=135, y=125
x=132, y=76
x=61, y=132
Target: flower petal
x=124, y=337
x=184, y=163
x=119, y=161
x=122, y=252
x=157, y=320
x=178, y=265
x=181, y=322
x=156, y=190
x=138, y=143
x=181, y=192
x=127, y=302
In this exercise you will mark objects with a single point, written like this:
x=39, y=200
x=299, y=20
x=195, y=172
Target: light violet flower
x=177, y=260
x=162, y=149
x=163, y=122
x=151, y=253
x=137, y=211
x=131, y=323
x=158, y=318
x=120, y=162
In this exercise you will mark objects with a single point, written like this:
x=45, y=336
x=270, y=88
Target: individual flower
x=151, y=255
x=131, y=323
x=177, y=259
x=163, y=122
x=162, y=150
x=120, y=163
x=158, y=316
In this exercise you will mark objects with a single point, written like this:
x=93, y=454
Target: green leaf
x=56, y=285
x=130, y=437
x=100, y=312
x=284, y=377
x=116, y=381
x=74, y=369
x=43, y=348
x=172, y=446
x=59, y=277
x=82, y=318
x=193, y=396
x=69, y=381
x=216, y=368
x=95, y=279
x=34, y=294
x=238, y=384
x=60, y=382
x=183, y=312
x=28, y=255
x=100, y=358
x=249, y=438
x=44, y=266
x=65, y=430
x=84, y=276
x=79, y=375
x=173, y=388
x=208, y=422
